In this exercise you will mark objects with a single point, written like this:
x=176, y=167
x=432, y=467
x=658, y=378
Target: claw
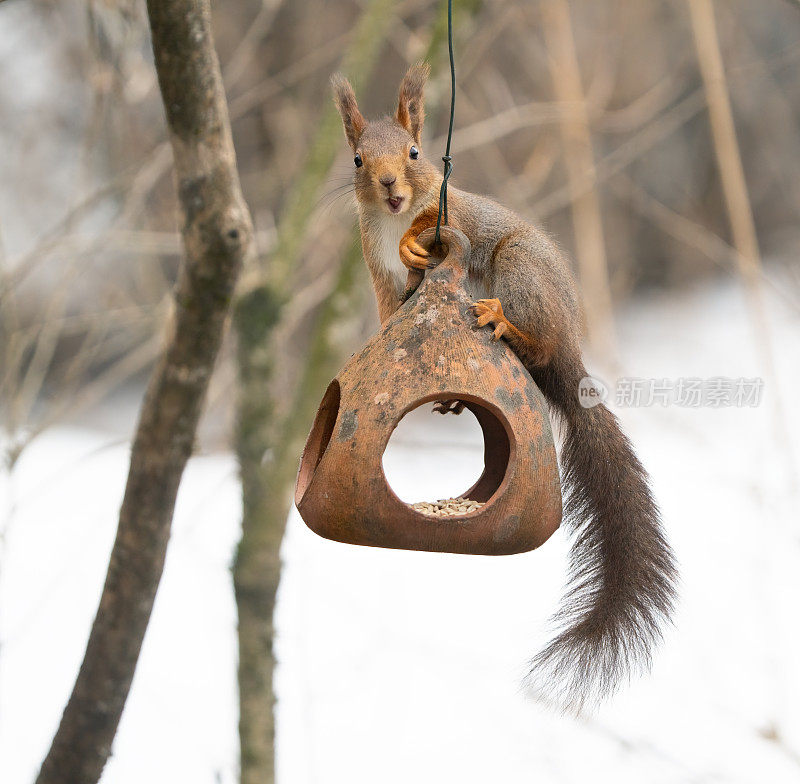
x=493, y=305
x=415, y=255
x=417, y=249
x=412, y=260
x=449, y=406
x=490, y=312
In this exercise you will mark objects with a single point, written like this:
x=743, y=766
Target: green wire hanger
x=448, y=161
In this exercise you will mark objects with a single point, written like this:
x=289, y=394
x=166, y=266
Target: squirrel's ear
x=411, y=107
x=345, y=99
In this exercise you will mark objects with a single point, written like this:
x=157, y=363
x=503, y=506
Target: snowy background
x=398, y=666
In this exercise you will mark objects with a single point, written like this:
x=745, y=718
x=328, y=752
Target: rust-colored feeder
x=430, y=351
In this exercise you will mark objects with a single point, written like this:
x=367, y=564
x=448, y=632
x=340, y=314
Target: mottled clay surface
x=430, y=350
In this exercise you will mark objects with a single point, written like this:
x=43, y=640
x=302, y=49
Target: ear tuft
x=345, y=99
x=411, y=106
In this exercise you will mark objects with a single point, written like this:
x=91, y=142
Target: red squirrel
x=622, y=574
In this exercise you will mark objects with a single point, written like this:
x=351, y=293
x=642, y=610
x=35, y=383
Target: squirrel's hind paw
x=499, y=330
x=448, y=406
x=490, y=311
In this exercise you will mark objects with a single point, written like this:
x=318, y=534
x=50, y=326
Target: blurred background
x=606, y=122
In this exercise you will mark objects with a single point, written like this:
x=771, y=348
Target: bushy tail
x=622, y=575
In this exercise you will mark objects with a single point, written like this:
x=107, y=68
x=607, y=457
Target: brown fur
x=345, y=99
x=410, y=106
x=622, y=572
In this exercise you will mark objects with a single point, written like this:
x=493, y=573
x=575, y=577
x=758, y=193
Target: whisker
x=335, y=190
x=326, y=208
x=330, y=198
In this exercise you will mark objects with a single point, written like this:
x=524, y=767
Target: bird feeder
x=431, y=351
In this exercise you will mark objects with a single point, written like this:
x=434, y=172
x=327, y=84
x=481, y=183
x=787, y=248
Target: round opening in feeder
x=318, y=438
x=431, y=458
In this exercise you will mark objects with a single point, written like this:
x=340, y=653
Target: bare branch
x=737, y=198
x=579, y=160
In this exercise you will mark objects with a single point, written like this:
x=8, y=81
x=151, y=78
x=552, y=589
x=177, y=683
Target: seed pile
x=447, y=507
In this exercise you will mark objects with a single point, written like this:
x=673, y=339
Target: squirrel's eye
x=357, y=161
x=414, y=153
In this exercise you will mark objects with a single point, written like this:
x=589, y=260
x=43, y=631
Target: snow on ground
x=399, y=667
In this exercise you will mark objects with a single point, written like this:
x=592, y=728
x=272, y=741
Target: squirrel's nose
x=387, y=179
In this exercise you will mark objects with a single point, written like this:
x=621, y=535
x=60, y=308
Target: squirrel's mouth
x=395, y=204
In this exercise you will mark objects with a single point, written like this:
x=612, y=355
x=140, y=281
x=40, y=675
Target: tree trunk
x=268, y=449
x=217, y=235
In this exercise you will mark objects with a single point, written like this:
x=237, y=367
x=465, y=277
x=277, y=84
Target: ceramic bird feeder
x=431, y=351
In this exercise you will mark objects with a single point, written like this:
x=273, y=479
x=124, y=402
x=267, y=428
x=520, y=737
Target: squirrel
x=622, y=575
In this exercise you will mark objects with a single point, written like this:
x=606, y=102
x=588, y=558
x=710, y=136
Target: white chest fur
x=386, y=231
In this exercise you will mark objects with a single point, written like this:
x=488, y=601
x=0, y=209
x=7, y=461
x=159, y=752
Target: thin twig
x=579, y=160
x=737, y=200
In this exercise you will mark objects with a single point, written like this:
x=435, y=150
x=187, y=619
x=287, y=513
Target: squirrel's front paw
x=490, y=311
x=413, y=255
